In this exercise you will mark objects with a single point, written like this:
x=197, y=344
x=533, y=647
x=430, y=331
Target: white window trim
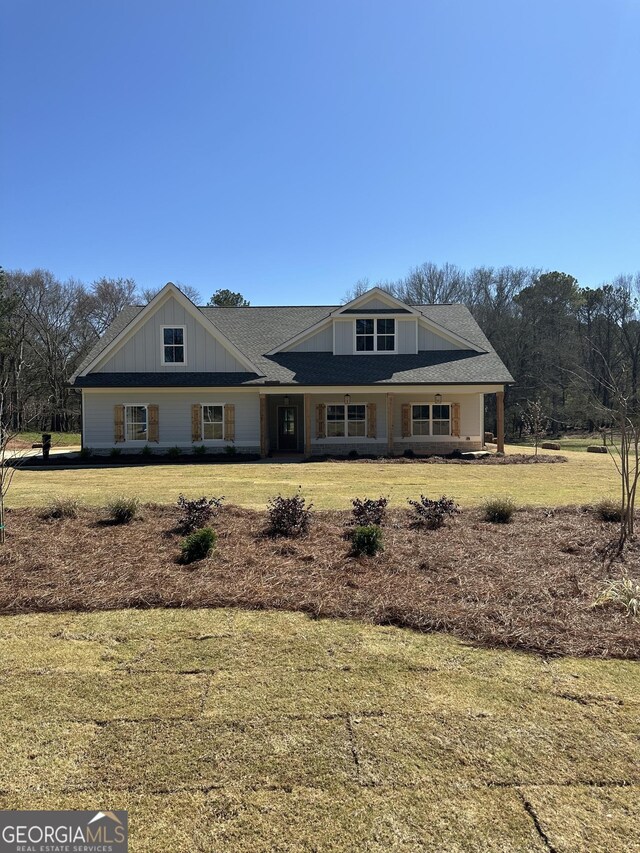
x=135, y=441
x=213, y=441
x=431, y=436
x=375, y=350
x=346, y=438
x=162, y=345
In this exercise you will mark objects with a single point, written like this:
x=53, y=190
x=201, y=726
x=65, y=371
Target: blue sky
x=287, y=149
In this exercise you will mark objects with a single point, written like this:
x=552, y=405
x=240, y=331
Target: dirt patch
x=528, y=585
x=511, y=459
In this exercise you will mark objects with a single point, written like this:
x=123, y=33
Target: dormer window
x=375, y=335
x=173, y=345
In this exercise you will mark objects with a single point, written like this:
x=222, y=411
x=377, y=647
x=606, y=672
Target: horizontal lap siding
x=143, y=352
x=174, y=415
x=470, y=418
x=381, y=416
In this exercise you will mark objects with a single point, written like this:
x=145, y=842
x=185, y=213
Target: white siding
x=381, y=416
x=470, y=420
x=407, y=339
x=322, y=341
x=428, y=340
x=343, y=337
x=174, y=415
x=142, y=353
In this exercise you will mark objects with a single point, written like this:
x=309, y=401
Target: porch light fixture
x=347, y=399
x=286, y=399
x=438, y=398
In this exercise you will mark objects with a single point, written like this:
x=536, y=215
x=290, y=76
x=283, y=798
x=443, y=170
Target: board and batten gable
x=428, y=340
x=321, y=341
x=142, y=351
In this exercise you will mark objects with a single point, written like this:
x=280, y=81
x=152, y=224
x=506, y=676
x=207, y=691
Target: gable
x=430, y=340
x=320, y=341
x=141, y=350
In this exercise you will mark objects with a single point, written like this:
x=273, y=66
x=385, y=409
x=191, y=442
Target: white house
x=374, y=375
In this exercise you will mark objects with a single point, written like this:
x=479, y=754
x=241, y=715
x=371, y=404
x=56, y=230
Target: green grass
x=229, y=730
x=58, y=439
x=585, y=478
x=574, y=443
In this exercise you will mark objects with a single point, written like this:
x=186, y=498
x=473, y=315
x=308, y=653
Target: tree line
x=564, y=344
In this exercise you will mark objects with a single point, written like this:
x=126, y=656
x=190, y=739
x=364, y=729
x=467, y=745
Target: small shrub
x=86, y=453
x=367, y=539
x=433, y=514
x=353, y=454
x=62, y=508
x=369, y=511
x=115, y=451
x=174, y=452
x=196, y=513
x=123, y=510
x=609, y=510
x=409, y=453
x=199, y=450
x=288, y=516
x=498, y=510
x=623, y=593
x=230, y=449
x=198, y=545
x=146, y=451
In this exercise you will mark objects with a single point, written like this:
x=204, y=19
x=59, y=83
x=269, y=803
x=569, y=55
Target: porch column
x=500, y=421
x=307, y=425
x=264, y=440
x=390, y=424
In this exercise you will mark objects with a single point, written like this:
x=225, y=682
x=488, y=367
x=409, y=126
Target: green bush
x=498, y=510
x=174, y=452
x=115, y=451
x=609, y=510
x=230, y=449
x=62, y=508
x=198, y=545
x=123, y=510
x=199, y=450
x=367, y=539
x=86, y=453
x=146, y=451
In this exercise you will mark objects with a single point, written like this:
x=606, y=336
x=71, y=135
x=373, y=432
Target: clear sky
x=287, y=149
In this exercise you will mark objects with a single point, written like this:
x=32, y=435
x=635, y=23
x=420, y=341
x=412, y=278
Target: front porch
x=424, y=421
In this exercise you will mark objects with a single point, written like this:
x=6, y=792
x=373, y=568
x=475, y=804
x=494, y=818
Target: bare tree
x=535, y=422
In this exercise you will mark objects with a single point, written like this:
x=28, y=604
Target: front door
x=287, y=428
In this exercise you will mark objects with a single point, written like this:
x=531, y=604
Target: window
x=212, y=422
x=440, y=420
x=173, y=348
x=348, y=420
x=375, y=335
x=420, y=420
x=431, y=419
x=135, y=423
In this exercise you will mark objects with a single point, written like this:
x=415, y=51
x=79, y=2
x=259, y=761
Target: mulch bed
x=512, y=459
x=526, y=585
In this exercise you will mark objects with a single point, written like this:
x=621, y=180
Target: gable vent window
x=377, y=335
x=173, y=345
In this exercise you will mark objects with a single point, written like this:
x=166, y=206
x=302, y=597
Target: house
x=374, y=375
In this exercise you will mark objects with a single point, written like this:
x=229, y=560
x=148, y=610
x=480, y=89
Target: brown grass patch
x=527, y=585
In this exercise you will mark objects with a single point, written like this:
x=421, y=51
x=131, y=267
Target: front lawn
x=231, y=730
x=585, y=478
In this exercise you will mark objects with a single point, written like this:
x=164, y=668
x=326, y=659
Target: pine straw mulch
x=528, y=585
x=510, y=459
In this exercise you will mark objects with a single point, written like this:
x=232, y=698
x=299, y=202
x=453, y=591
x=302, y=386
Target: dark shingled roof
x=257, y=330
